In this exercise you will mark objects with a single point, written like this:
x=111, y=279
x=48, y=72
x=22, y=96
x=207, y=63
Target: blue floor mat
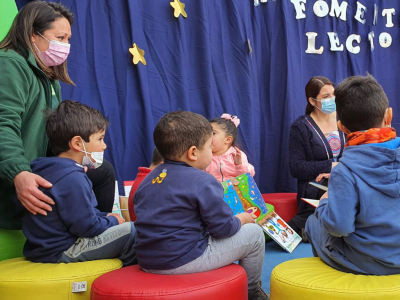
x=275, y=255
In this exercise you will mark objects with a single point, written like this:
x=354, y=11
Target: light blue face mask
x=328, y=106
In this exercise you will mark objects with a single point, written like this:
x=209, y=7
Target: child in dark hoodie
x=75, y=230
x=355, y=229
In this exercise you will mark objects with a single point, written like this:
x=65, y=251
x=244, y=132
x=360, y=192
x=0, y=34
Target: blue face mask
x=328, y=106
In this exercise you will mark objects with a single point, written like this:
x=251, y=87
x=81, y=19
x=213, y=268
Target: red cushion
x=285, y=204
x=131, y=283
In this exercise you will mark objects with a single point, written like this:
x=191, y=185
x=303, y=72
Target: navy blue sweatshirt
x=73, y=216
x=176, y=217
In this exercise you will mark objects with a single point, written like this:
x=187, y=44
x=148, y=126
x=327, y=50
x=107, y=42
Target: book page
x=312, y=202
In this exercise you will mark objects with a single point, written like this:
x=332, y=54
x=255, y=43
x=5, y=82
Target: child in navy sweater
x=184, y=226
x=75, y=230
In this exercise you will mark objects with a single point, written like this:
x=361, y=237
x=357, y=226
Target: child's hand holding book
x=118, y=217
x=245, y=218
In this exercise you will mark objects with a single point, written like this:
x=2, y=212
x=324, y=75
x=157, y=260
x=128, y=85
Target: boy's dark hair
x=157, y=158
x=360, y=103
x=72, y=119
x=177, y=131
x=313, y=88
x=228, y=126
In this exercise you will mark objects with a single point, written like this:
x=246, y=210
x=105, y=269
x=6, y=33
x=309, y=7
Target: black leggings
x=103, y=180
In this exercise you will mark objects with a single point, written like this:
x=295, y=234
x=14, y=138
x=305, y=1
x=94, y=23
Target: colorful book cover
x=280, y=231
x=242, y=194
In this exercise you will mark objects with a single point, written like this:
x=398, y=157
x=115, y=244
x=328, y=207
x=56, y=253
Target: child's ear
x=192, y=153
x=388, y=117
x=229, y=139
x=76, y=143
x=343, y=128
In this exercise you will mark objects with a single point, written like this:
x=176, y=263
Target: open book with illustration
x=242, y=194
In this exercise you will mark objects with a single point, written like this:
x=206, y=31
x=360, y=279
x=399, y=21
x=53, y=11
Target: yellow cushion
x=310, y=278
x=21, y=279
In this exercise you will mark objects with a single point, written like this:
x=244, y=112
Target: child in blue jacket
x=75, y=230
x=356, y=227
x=183, y=224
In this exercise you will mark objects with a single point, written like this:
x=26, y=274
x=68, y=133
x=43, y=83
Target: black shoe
x=304, y=236
x=258, y=294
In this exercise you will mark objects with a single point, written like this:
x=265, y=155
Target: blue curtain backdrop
x=203, y=64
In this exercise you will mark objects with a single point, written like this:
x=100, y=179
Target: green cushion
x=11, y=243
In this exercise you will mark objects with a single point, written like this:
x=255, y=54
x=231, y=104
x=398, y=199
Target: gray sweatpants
x=115, y=242
x=247, y=246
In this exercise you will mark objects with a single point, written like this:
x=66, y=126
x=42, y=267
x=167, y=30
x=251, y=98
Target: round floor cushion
x=310, y=278
x=132, y=283
x=21, y=279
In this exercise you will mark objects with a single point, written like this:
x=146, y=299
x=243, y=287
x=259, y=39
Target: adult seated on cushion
x=33, y=61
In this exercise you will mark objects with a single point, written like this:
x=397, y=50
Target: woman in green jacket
x=33, y=60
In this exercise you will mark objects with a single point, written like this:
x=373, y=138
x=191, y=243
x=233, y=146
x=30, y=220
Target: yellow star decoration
x=138, y=54
x=179, y=8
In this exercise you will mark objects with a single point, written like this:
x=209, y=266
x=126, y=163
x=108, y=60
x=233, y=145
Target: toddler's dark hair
x=157, y=158
x=360, y=103
x=72, y=119
x=228, y=127
x=177, y=131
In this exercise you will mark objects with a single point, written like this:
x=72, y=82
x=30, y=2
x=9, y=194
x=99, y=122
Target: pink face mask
x=56, y=54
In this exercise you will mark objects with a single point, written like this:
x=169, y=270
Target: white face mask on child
x=97, y=156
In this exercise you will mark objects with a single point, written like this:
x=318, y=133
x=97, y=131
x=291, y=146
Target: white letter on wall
x=371, y=36
x=361, y=9
x=335, y=43
x=389, y=12
x=311, y=44
x=349, y=43
x=385, y=39
x=321, y=8
x=300, y=8
x=337, y=10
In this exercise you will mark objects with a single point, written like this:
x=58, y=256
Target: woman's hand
x=322, y=175
x=237, y=157
x=33, y=199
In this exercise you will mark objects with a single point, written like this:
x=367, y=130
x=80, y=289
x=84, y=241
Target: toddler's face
x=219, y=138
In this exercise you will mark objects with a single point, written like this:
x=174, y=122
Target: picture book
x=280, y=231
x=320, y=186
x=242, y=195
x=312, y=202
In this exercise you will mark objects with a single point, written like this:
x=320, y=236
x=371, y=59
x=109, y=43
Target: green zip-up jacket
x=25, y=93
